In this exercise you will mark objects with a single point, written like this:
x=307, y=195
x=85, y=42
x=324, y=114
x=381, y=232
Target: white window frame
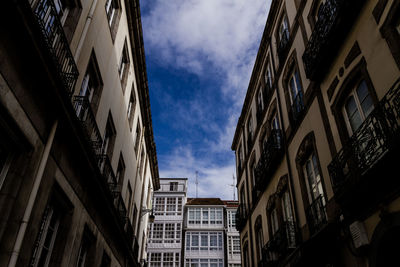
x=43, y=231
x=353, y=94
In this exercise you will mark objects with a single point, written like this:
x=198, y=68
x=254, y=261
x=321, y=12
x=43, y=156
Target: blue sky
x=199, y=55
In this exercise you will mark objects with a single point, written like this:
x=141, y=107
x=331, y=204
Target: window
x=90, y=91
x=268, y=76
x=358, y=106
x=123, y=67
x=142, y=159
x=129, y=199
x=84, y=249
x=245, y=254
x=138, y=132
x=284, y=29
x=260, y=102
x=157, y=232
x=204, y=241
x=296, y=94
x=169, y=233
x=171, y=204
x=283, y=37
x=155, y=259
x=204, y=263
x=240, y=158
x=113, y=11
x=159, y=205
x=131, y=108
x=236, y=244
x=259, y=238
x=316, y=211
x=173, y=186
x=313, y=178
x=46, y=237
x=105, y=260
x=119, y=176
x=109, y=137
x=250, y=129
x=5, y=162
x=205, y=216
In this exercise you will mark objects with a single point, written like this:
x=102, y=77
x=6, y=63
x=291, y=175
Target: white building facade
x=233, y=236
x=165, y=234
x=204, y=233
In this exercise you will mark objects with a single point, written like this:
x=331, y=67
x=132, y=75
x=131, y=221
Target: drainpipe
x=32, y=198
x=85, y=30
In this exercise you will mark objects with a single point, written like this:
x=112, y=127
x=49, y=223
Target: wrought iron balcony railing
x=333, y=21
x=85, y=114
x=283, y=45
x=54, y=37
x=108, y=174
x=241, y=216
x=370, y=142
x=282, y=242
x=272, y=150
x=297, y=106
x=316, y=215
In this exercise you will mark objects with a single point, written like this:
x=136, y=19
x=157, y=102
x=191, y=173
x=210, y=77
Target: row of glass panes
x=231, y=219
x=234, y=244
x=205, y=216
x=163, y=259
x=204, y=263
x=204, y=241
x=165, y=233
x=168, y=206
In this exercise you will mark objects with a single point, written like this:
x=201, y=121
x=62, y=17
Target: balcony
x=86, y=116
x=272, y=151
x=282, y=48
x=334, y=21
x=108, y=174
x=56, y=42
x=281, y=244
x=241, y=216
x=370, y=153
x=316, y=215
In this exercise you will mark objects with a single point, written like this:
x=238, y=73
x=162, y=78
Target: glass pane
x=365, y=99
x=353, y=114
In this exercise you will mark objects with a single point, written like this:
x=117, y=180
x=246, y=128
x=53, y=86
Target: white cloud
x=206, y=37
x=214, y=180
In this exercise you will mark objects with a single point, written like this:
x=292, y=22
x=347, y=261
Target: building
x=318, y=136
x=165, y=234
x=232, y=235
x=78, y=161
x=204, y=232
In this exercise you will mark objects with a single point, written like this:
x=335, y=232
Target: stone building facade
x=78, y=162
x=318, y=135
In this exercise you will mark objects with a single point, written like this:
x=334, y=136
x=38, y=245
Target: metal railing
x=316, y=214
x=377, y=135
x=241, y=216
x=108, y=174
x=56, y=41
x=86, y=116
x=272, y=149
x=282, y=242
x=322, y=34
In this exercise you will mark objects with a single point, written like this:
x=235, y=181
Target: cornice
x=137, y=46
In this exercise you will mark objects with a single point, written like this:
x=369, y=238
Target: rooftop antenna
x=233, y=186
x=197, y=183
